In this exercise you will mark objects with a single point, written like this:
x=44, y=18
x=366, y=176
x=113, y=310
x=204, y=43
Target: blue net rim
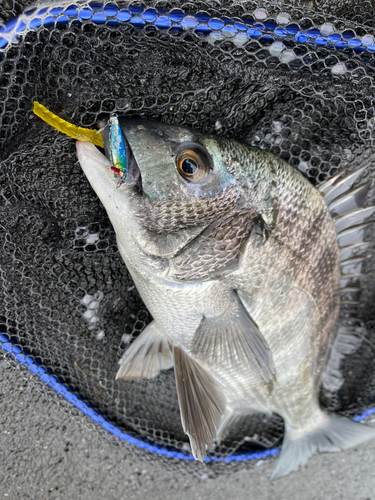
x=239, y=30
x=21, y=356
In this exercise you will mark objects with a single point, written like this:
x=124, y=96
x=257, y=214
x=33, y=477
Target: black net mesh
x=295, y=81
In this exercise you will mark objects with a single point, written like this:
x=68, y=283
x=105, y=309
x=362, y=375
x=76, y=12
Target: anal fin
x=202, y=403
x=147, y=356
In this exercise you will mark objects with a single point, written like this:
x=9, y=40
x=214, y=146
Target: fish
x=243, y=265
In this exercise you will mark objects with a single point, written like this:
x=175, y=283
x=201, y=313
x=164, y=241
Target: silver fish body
x=236, y=257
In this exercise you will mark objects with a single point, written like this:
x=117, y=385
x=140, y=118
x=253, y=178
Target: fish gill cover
x=294, y=80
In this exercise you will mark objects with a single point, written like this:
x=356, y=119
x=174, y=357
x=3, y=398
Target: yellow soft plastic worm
x=79, y=133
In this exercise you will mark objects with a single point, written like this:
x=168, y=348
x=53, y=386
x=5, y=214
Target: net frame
x=352, y=44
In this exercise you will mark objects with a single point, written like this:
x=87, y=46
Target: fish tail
x=333, y=433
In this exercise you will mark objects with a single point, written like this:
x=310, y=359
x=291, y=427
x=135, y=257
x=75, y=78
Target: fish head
x=178, y=182
x=175, y=162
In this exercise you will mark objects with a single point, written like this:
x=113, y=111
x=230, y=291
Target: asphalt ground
x=46, y=453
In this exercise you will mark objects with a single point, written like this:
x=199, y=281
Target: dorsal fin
x=347, y=341
x=352, y=266
x=352, y=236
x=353, y=218
x=354, y=250
x=349, y=202
x=339, y=184
x=345, y=201
x=350, y=280
x=350, y=294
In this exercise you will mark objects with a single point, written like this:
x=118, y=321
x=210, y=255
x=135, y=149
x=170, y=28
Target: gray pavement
x=45, y=453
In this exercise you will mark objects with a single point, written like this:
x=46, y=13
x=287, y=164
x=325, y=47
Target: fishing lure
x=116, y=142
x=117, y=150
x=78, y=133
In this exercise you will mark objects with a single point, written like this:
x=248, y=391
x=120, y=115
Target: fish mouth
x=133, y=176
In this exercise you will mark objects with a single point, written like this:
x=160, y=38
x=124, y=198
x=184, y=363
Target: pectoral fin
x=233, y=340
x=148, y=355
x=202, y=403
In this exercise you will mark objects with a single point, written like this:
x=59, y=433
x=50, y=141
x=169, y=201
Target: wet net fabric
x=294, y=81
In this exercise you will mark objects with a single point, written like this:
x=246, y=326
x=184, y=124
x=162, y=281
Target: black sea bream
x=236, y=256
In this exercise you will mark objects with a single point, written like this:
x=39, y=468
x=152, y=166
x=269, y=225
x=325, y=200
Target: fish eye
x=193, y=163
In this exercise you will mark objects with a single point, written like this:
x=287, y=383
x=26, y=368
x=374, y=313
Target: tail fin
x=334, y=433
